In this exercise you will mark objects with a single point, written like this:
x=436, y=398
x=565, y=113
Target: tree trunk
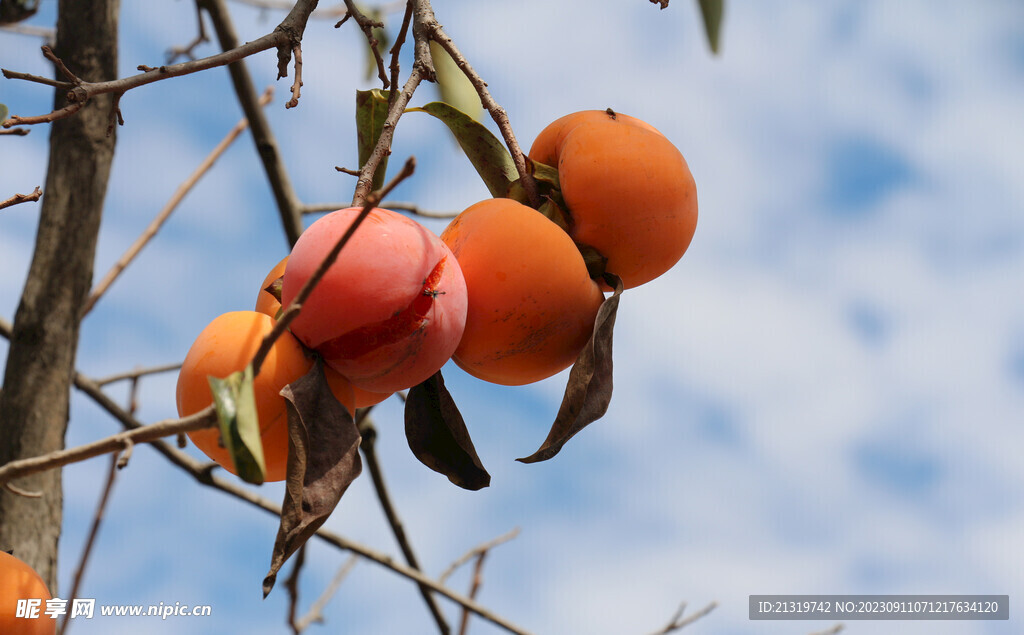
x=41, y=358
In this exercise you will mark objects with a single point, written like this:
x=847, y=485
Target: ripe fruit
x=268, y=305
x=532, y=304
x=18, y=581
x=390, y=310
x=628, y=189
x=227, y=345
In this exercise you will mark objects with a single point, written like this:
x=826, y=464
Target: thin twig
x=283, y=38
x=139, y=372
x=316, y=611
x=22, y=198
x=422, y=69
x=368, y=446
x=263, y=139
x=90, y=541
x=498, y=114
x=14, y=132
x=678, y=621
x=834, y=630
x=292, y=311
x=27, y=29
x=168, y=209
x=14, y=489
x=474, y=588
x=476, y=551
x=187, y=50
x=367, y=26
x=292, y=586
x=297, y=84
x=397, y=206
x=396, y=49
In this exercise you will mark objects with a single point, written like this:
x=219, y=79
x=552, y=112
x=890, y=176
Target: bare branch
x=288, y=203
x=27, y=29
x=14, y=132
x=187, y=50
x=497, y=113
x=292, y=586
x=315, y=613
x=14, y=489
x=477, y=551
x=367, y=25
x=474, y=588
x=165, y=213
x=368, y=446
x=678, y=621
x=297, y=84
x=139, y=372
x=90, y=540
x=284, y=37
x=22, y=198
x=396, y=206
x=422, y=69
x=114, y=443
x=834, y=630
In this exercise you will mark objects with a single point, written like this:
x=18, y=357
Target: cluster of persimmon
x=505, y=291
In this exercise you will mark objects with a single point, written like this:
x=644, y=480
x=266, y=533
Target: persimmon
x=225, y=346
x=629, y=191
x=268, y=304
x=18, y=581
x=391, y=309
x=532, y=303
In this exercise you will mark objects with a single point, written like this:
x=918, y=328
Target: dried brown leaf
x=323, y=460
x=589, y=389
x=438, y=436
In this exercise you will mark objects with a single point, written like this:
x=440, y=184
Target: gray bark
x=40, y=362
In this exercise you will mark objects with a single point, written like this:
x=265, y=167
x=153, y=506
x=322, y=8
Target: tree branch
x=368, y=446
x=171, y=205
x=91, y=540
x=678, y=621
x=288, y=204
x=22, y=198
x=284, y=38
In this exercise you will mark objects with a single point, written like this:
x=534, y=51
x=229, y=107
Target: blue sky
x=824, y=396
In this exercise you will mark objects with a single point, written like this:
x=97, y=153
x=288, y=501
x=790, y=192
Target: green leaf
x=3, y=112
x=711, y=11
x=371, y=112
x=455, y=88
x=490, y=158
x=239, y=425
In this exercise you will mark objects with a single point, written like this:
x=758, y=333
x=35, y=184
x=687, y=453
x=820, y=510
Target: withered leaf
x=323, y=460
x=589, y=389
x=438, y=436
